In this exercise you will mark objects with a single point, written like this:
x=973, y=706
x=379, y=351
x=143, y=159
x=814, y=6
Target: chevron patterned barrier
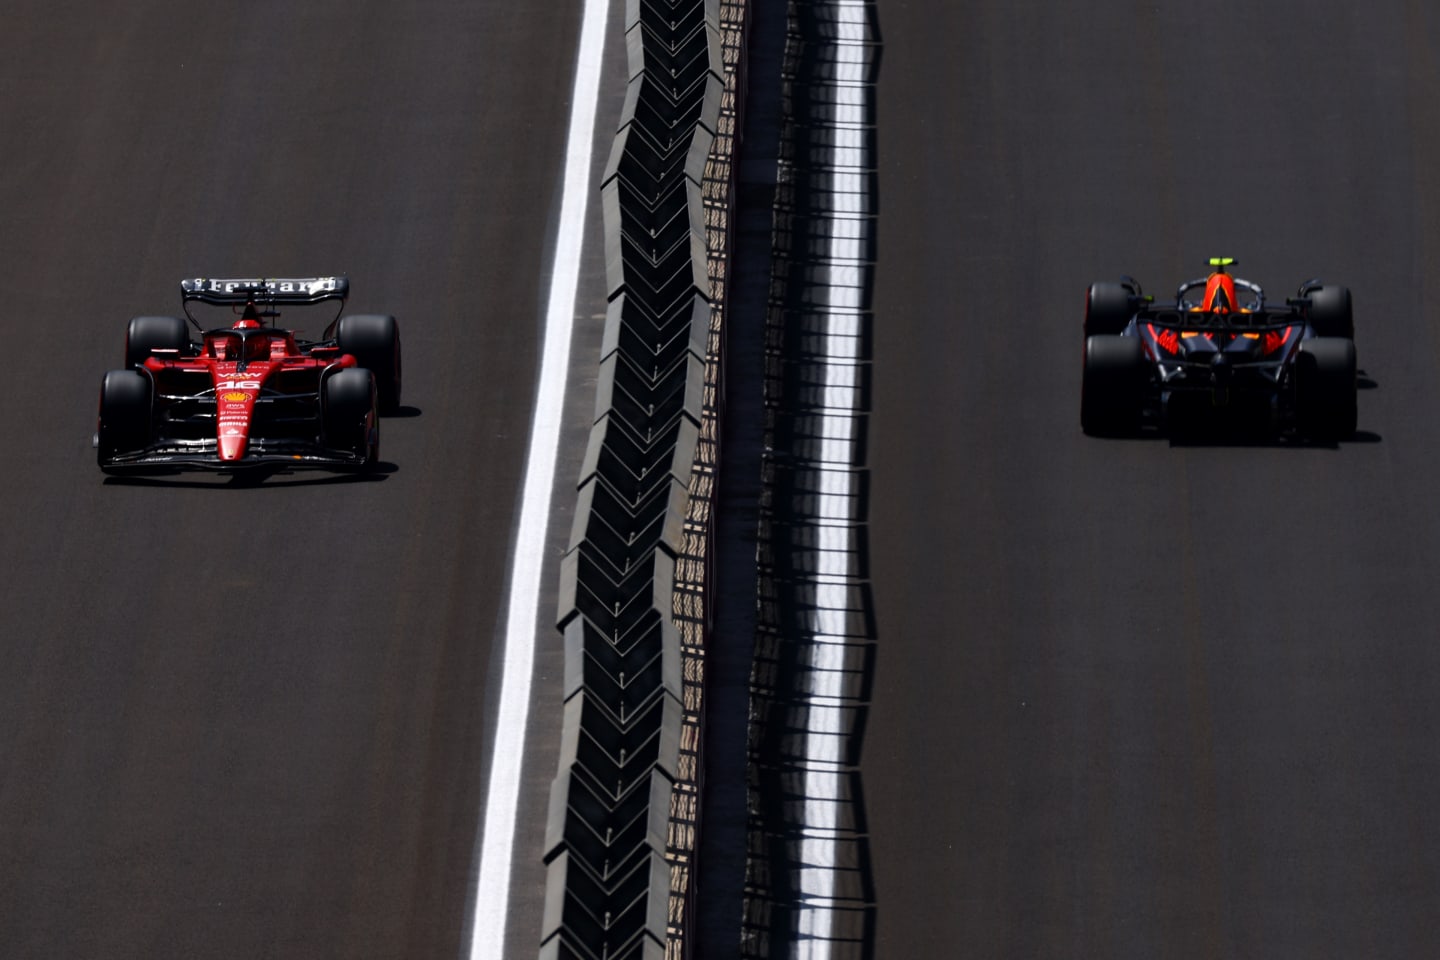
x=608, y=882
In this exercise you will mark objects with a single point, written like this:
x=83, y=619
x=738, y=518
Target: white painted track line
x=492, y=889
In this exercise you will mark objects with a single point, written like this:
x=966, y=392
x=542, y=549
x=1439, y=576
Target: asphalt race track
x=1130, y=698
x=1135, y=699
x=250, y=720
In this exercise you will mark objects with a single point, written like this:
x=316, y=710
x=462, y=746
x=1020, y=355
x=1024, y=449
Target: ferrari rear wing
x=265, y=290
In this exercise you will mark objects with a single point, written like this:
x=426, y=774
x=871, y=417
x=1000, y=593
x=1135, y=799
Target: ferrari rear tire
x=125, y=414
x=1108, y=309
x=1325, y=388
x=373, y=339
x=1112, y=389
x=349, y=415
x=148, y=334
x=1331, y=313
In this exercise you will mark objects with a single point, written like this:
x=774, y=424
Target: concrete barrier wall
x=608, y=883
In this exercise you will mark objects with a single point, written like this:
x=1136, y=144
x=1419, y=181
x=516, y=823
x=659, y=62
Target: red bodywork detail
x=240, y=367
x=1168, y=339
x=1220, y=293
x=232, y=420
x=1275, y=339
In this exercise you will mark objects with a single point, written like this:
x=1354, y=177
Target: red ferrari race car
x=1229, y=359
x=249, y=393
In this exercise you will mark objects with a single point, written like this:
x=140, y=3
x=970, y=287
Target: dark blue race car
x=1224, y=358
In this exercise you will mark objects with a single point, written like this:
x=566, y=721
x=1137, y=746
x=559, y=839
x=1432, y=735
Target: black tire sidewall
x=144, y=335
x=373, y=339
x=347, y=413
x=126, y=405
x=1326, y=388
x=1331, y=313
x=1108, y=309
x=1112, y=390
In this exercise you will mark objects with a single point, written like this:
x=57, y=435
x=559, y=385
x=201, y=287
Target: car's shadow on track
x=1223, y=439
x=259, y=478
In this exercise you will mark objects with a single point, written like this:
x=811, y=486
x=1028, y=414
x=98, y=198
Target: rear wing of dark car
x=1172, y=318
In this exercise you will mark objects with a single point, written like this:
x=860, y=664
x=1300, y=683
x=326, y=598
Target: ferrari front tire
x=373, y=339
x=1112, y=389
x=349, y=416
x=125, y=414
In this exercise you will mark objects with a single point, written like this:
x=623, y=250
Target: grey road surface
x=1134, y=699
x=253, y=720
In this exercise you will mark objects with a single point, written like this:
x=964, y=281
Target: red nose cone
x=232, y=443
x=235, y=405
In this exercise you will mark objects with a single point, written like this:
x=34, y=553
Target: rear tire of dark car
x=373, y=339
x=125, y=414
x=1108, y=309
x=148, y=334
x=1325, y=388
x=1331, y=313
x=1112, y=389
x=349, y=415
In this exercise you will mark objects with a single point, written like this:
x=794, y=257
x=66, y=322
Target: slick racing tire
x=1112, y=390
x=125, y=414
x=1108, y=309
x=349, y=415
x=1325, y=388
x=148, y=334
x=1331, y=314
x=373, y=339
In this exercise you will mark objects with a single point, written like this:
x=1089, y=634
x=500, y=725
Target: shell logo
x=234, y=397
